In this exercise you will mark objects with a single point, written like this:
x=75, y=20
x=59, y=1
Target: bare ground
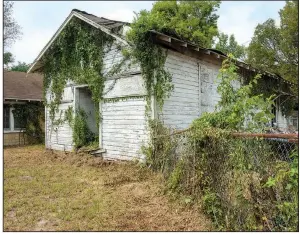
x=54, y=191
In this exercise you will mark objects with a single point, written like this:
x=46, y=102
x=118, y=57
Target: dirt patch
x=46, y=225
x=26, y=178
x=11, y=214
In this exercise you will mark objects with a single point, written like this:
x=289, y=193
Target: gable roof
x=107, y=23
x=108, y=26
x=112, y=26
x=20, y=86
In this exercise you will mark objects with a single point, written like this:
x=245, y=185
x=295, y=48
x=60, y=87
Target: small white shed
x=123, y=129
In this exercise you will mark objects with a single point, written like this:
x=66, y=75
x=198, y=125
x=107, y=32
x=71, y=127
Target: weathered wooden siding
x=183, y=105
x=126, y=86
x=195, y=90
x=124, y=129
x=123, y=121
x=282, y=122
x=60, y=137
x=114, y=56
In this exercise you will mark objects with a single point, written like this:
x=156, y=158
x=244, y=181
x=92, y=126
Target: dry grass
x=46, y=191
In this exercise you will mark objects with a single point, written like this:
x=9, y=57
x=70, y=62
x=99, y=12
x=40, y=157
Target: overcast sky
x=40, y=20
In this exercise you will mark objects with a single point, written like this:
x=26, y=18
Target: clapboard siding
x=183, y=105
x=59, y=137
x=124, y=128
x=114, y=56
x=126, y=86
x=195, y=90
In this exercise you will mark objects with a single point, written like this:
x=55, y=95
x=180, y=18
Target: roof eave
x=22, y=99
x=169, y=39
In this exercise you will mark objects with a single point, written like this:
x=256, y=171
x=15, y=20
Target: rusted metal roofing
x=20, y=86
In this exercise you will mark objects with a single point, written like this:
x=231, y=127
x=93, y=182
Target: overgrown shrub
x=82, y=135
x=31, y=116
x=241, y=183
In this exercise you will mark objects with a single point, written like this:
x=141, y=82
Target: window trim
x=12, y=128
x=9, y=123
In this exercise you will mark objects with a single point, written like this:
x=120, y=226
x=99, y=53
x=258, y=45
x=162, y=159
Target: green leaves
x=81, y=133
x=194, y=21
x=8, y=58
x=271, y=182
x=274, y=48
x=229, y=45
x=77, y=55
x=21, y=67
x=30, y=116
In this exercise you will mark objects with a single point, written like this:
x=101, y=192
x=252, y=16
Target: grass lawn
x=54, y=191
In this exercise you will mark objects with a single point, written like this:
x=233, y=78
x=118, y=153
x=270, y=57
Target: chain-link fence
x=232, y=174
x=276, y=146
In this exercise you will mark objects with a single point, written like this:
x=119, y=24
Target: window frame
x=11, y=128
x=14, y=127
x=9, y=118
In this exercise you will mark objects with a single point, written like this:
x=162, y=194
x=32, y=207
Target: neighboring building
x=123, y=129
x=18, y=90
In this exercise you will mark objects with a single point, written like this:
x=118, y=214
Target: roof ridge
x=80, y=11
x=84, y=12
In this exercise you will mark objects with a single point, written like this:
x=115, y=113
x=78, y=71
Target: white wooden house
x=123, y=129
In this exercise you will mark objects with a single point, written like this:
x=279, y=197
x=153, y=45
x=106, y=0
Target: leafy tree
x=22, y=67
x=195, y=21
x=228, y=45
x=8, y=58
x=12, y=30
x=275, y=49
x=289, y=45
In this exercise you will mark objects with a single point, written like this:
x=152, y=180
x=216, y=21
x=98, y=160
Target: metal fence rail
x=280, y=145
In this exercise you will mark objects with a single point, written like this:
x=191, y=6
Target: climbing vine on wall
x=76, y=55
x=151, y=57
x=82, y=135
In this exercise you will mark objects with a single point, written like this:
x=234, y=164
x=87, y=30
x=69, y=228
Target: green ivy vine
x=151, y=58
x=82, y=135
x=77, y=55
